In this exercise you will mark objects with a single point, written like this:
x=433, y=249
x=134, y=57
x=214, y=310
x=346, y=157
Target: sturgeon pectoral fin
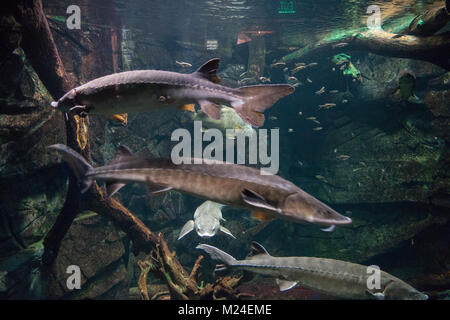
x=112, y=187
x=211, y=109
x=329, y=229
x=386, y=287
x=285, y=284
x=78, y=109
x=381, y=295
x=220, y=268
x=252, y=198
x=226, y=231
x=188, y=227
x=156, y=189
x=376, y=295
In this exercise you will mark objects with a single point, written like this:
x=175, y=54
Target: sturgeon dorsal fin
x=208, y=70
x=121, y=153
x=257, y=249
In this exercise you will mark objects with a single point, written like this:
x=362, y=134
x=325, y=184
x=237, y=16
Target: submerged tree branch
x=430, y=48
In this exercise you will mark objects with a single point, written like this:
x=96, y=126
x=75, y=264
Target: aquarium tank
x=225, y=150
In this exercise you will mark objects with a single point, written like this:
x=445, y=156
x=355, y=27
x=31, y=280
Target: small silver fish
x=183, y=64
x=273, y=118
x=333, y=91
x=316, y=121
x=277, y=64
x=297, y=84
x=322, y=90
x=247, y=80
x=343, y=157
x=317, y=129
x=339, y=45
x=344, y=101
x=291, y=78
x=312, y=64
x=297, y=69
x=290, y=130
x=327, y=105
x=311, y=118
x=321, y=178
x=264, y=79
x=309, y=80
x=243, y=74
x=300, y=113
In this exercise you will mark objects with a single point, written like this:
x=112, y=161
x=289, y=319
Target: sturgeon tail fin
x=77, y=163
x=217, y=254
x=256, y=99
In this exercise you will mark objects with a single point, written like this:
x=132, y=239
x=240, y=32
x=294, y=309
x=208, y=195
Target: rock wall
x=33, y=187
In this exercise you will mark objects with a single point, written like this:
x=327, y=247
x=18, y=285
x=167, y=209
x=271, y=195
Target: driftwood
x=430, y=48
x=145, y=267
x=37, y=42
x=429, y=22
x=183, y=286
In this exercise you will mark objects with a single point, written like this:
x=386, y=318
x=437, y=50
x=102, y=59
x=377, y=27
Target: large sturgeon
x=147, y=90
x=268, y=196
x=334, y=277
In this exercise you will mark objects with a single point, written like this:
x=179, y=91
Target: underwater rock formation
x=100, y=251
x=36, y=188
